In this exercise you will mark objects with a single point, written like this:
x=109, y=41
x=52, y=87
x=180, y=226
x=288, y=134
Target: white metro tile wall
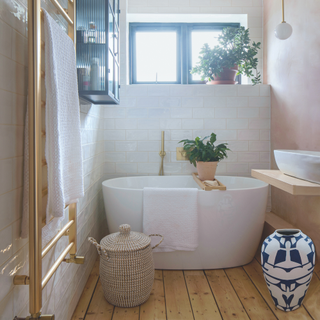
x=238, y=115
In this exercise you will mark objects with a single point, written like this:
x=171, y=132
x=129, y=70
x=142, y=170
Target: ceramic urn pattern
x=288, y=259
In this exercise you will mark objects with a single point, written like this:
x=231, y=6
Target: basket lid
x=125, y=240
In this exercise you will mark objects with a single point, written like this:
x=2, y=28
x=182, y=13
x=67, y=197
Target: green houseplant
x=234, y=55
x=205, y=156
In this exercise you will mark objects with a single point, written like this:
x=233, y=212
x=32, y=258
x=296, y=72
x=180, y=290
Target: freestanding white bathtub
x=230, y=222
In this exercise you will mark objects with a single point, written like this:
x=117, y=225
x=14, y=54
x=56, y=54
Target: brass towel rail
x=36, y=190
x=58, y=236
x=63, y=12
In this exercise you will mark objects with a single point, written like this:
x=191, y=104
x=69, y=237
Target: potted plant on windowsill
x=205, y=156
x=234, y=55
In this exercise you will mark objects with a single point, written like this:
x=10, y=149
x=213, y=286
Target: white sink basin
x=300, y=164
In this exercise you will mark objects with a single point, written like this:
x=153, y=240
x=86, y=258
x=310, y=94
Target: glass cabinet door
x=97, y=42
x=116, y=80
x=111, y=73
x=116, y=11
x=116, y=42
x=110, y=30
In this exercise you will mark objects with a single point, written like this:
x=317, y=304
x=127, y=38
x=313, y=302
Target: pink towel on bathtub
x=173, y=213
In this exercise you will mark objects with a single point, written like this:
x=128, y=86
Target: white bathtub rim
x=104, y=183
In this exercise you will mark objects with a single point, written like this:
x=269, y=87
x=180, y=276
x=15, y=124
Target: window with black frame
x=164, y=53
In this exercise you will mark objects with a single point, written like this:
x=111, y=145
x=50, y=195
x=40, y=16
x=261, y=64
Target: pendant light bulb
x=283, y=30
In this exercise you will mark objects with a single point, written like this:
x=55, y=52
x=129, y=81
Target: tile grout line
x=13, y=28
x=19, y=63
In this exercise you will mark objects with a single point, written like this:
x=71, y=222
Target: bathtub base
x=197, y=260
x=230, y=222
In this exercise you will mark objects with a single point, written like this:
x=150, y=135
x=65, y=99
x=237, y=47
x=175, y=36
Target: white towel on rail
x=173, y=213
x=63, y=141
x=63, y=136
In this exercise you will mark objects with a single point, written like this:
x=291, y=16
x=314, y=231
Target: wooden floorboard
x=317, y=269
x=228, y=302
x=99, y=308
x=155, y=307
x=83, y=304
x=177, y=298
x=249, y=296
x=203, y=304
x=237, y=293
x=254, y=271
x=126, y=313
x=312, y=300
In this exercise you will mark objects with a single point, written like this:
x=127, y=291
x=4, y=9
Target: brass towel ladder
x=36, y=190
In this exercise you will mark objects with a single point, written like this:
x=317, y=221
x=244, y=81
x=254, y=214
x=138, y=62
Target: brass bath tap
x=162, y=154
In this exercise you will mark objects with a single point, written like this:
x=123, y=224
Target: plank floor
x=235, y=293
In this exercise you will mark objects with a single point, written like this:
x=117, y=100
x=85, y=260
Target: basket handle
x=99, y=248
x=156, y=235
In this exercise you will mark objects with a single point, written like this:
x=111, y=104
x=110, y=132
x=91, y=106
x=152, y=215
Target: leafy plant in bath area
x=234, y=49
x=197, y=150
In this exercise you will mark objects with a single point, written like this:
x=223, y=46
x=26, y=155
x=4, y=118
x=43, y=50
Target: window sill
x=194, y=90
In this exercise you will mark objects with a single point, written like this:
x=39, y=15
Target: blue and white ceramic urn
x=288, y=259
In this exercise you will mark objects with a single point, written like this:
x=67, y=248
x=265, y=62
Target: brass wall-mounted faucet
x=162, y=154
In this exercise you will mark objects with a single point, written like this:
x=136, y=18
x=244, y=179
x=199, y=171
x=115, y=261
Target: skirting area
x=236, y=293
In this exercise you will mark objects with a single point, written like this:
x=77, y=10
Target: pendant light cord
x=283, y=11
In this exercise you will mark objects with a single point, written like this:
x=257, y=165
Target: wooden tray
x=207, y=188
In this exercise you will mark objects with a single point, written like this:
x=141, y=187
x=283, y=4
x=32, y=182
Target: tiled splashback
x=239, y=115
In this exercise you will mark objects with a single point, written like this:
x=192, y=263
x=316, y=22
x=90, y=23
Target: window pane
x=198, y=39
x=156, y=56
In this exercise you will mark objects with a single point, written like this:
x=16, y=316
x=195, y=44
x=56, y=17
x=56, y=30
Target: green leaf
x=233, y=49
x=213, y=138
x=197, y=150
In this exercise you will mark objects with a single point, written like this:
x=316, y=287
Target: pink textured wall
x=292, y=67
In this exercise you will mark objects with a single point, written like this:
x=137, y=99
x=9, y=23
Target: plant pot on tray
x=205, y=156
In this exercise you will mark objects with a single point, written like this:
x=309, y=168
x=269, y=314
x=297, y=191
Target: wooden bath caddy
x=205, y=187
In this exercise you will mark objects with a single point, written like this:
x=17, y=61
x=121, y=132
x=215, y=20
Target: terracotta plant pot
x=227, y=76
x=206, y=170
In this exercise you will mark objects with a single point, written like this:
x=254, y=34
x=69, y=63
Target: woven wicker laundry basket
x=126, y=266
